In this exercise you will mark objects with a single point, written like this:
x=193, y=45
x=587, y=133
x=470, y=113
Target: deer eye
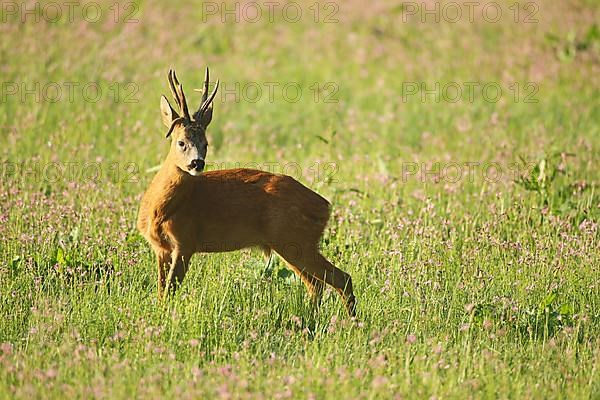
x=180, y=143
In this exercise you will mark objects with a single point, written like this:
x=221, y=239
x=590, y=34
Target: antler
x=178, y=95
x=204, y=113
x=206, y=99
x=206, y=80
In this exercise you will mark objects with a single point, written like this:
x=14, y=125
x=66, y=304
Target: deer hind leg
x=313, y=285
x=314, y=267
x=178, y=268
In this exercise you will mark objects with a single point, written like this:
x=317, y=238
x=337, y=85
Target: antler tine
x=177, y=92
x=207, y=102
x=175, y=78
x=205, y=93
x=183, y=106
x=170, y=77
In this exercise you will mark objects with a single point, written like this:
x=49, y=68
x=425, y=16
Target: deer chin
x=194, y=172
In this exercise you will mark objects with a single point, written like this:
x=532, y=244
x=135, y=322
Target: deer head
x=188, y=143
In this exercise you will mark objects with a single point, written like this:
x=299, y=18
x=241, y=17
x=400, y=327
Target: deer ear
x=206, y=116
x=167, y=113
x=205, y=112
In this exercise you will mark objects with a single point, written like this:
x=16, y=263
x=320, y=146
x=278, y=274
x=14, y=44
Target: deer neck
x=173, y=187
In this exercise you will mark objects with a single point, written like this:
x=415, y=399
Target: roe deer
x=187, y=211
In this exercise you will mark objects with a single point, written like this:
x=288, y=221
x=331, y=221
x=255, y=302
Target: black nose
x=197, y=164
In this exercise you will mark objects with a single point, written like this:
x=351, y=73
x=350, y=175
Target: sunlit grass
x=470, y=228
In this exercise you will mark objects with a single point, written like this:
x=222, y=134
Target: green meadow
x=459, y=145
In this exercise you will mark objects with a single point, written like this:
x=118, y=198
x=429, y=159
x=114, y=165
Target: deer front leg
x=177, y=270
x=163, y=258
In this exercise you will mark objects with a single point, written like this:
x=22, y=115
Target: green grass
x=470, y=286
